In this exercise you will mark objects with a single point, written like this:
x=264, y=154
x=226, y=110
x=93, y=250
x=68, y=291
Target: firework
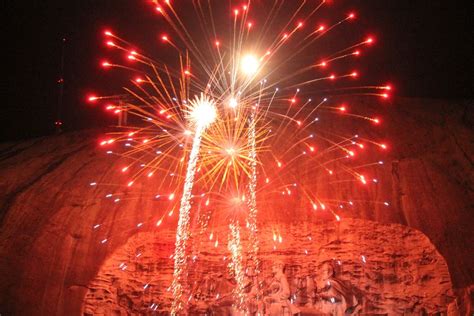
x=252, y=191
x=202, y=114
x=235, y=248
x=253, y=126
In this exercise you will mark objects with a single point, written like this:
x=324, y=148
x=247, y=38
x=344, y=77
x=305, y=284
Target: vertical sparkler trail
x=235, y=248
x=252, y=186
x=182, y=233
x=202, y=113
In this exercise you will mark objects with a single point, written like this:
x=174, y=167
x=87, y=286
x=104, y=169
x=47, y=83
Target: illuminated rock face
x=50, y=254
x=391, y=269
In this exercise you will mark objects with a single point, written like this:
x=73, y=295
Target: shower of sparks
x=202, y=114
x=252, y=193
x=235, y=248
x=264, y=112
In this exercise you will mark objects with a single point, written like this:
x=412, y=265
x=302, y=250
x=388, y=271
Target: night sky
x=424, y=47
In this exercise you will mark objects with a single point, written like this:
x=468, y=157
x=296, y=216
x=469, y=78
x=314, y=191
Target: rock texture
x=49, y=253
x=396, y=270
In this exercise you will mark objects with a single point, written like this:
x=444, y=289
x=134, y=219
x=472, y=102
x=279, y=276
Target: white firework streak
x=252, y=199
x=182, y=234
x=202, y=112
x=235, y=249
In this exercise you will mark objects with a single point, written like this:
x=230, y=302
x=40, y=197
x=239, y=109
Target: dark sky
x=424, y=47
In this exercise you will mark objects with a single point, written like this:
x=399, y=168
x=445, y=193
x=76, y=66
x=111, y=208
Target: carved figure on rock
x=277, y=295
x=299, y=287
x=252, y=289
x=213, y=295
x=204, y=293
x=311, y=285
x=336, y=297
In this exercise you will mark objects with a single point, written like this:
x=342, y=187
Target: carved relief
x=353, y=267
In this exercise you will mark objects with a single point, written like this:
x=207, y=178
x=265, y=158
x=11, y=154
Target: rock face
x=51, y=257
x=392, y=268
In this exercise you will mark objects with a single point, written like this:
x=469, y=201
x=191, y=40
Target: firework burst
x=253, y=122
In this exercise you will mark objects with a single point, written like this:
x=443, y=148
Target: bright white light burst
x=203, y=111
x=233, y=103
x=249, y=65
